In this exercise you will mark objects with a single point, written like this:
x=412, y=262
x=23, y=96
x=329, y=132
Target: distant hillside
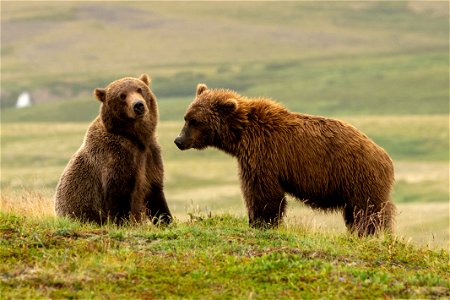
x=323, y=57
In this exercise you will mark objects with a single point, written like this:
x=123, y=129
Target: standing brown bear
x=326, y=163
x=117, y=173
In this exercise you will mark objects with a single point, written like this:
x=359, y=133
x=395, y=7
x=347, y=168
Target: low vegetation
x=209, y=257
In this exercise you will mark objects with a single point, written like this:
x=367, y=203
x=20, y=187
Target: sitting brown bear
x=326, y=163
x=117, y=173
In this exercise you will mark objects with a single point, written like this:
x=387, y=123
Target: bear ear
x=100, y=94
x=145, y=78
x=201, y=87
x=228, y=106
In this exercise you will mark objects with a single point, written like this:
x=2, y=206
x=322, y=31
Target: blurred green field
x=321, y=57
x=34, y=155
x=382, y=66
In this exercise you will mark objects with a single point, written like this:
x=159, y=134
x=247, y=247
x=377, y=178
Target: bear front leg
x=157, y=208
x=265, y=203
x=118, y=186
x=117, y=201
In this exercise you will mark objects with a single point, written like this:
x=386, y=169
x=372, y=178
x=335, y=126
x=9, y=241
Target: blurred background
x=382, y=66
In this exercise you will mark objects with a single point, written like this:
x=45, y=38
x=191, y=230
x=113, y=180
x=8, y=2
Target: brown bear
x=326, y=163
x=117, y=173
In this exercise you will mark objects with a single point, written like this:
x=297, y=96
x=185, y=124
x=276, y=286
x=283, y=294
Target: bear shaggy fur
x=117, y=173
x=326, y=163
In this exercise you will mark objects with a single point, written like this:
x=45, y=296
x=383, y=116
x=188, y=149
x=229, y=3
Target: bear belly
x=319, y=198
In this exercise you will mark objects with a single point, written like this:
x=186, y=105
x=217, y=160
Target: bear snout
x=139, y=107
x=179, y=142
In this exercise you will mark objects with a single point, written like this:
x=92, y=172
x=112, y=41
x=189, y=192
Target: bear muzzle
x=180, y=144
x=139, y=108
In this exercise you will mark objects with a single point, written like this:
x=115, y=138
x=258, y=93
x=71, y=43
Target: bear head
x=127, y=101
x=209, y=119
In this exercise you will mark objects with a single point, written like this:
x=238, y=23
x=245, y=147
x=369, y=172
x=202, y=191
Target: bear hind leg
x=369, y=220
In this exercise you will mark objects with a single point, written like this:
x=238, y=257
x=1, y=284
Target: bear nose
x=138, y=107
x=179, y=143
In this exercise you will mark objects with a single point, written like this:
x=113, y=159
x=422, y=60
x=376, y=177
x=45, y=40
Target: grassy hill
x=209, y=257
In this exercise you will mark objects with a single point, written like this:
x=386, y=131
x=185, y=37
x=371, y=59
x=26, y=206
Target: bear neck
x=246, y=126
x=229, y=138
x=230, y=147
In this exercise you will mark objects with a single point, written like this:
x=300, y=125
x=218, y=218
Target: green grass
x=424, y=191
x=399, y=84
x=209, y=257
x=411, y=138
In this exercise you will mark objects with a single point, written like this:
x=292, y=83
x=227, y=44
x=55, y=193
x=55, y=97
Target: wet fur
x=117, y=173
x=326, y=163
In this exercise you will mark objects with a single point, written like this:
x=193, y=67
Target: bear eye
x=193, y=122
x=139, y=90
x=123, y=96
